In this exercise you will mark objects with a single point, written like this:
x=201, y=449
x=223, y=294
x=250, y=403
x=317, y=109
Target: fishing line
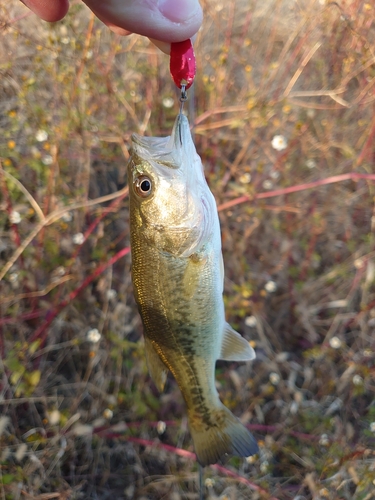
x=200, y=481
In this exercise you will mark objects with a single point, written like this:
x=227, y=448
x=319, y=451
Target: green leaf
x=8, y=478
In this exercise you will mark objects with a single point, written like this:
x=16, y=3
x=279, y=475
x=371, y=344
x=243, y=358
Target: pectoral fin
x=235, y=347
x=157, y=369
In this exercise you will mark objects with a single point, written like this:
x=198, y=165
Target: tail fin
x=223, y=435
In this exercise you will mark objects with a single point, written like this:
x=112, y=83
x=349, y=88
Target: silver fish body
x=178, y=273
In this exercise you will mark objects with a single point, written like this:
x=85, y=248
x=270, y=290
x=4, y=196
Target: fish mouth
x=169, y=151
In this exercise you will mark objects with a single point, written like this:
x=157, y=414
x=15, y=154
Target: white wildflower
x=251, y=460
x=279, y=142
x=275, y=174
x=264, y=466
x=209, y=483
x=270, y=286
x=13, y=277
x=54, y=417
x=111, y=294
x=78, y=238
x=41, y=136
x=108, y=413
x=324, y=441
x=168, y=102
x=245, y=178
x=357, y=380
x=160, y=427
x=251, y=321
x=93, y=335
x=335, y=343
x=47, y=160
x=267, y=184
x=372, y=427
x=15, y=217
x=67, y=217
x=274, y=378
x=310, y=163
x=65, y=40
x=59, y=271
x=89, y=54
x=359, y=263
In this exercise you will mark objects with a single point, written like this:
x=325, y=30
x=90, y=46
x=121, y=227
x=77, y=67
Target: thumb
x=48, y=10
x=164, y=20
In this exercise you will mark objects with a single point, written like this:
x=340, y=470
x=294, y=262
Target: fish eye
x=143, y=186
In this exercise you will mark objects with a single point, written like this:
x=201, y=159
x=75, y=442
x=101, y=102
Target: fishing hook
x=183, y=97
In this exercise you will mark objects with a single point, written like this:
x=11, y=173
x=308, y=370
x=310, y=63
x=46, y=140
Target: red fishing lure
x=182, y=64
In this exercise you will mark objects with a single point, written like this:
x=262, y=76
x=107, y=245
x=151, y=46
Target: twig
x=294, y=189
x=53, y=217
x=22, y=188
x=22, y=317
x=38, y=293
x=39, y=333
x=302, y=66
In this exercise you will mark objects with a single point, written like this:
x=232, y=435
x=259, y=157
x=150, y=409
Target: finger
x=49, y=10
x=164, y=20
x=163, y=46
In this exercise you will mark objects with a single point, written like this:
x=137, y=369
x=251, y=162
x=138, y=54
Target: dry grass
x=78, y=417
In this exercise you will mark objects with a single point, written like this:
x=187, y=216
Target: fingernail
x=179, y=11
x=163, y=46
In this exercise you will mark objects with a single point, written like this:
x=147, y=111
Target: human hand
x=163, y=21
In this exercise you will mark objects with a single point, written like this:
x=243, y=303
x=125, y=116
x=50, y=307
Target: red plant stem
x=110, y=208
x=188, y=454
x=296, y=188
x=23, y=317
x=41, y=333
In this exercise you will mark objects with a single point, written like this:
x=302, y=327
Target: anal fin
x=234, y=347
x=157, y=369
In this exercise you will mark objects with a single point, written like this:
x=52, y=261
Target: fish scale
x=177, y=275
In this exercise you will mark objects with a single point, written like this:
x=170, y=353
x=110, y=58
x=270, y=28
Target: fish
x=178, y=280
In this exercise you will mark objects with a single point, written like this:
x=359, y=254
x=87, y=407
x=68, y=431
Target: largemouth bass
x=178, y=273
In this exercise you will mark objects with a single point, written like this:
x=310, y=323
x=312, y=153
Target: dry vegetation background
x=79, y=417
